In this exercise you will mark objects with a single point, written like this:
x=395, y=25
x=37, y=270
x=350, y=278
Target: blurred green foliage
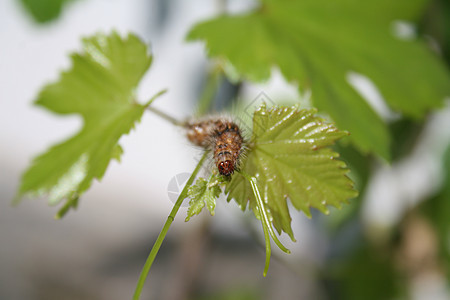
x=317, y=43
x=436, y=23
x=367, y=273
x=233, y=294
x=437, y=209
x=44, y=11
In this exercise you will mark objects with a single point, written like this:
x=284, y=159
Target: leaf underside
x=316, y=43
x=290, y=158
x=100, y=88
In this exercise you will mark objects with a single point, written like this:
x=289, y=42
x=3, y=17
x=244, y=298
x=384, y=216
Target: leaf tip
x=307, y=212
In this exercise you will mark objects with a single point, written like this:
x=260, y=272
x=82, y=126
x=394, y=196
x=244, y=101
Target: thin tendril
x=267, y=227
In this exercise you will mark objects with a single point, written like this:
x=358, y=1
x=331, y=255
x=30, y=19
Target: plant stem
x=264, y=220
x=268, y=249
x=165, y=116
x=267, y=227
x=161, y=113
x=163, y=233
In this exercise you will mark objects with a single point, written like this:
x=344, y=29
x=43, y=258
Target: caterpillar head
x=226, y=167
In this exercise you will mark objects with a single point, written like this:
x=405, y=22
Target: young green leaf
x=290, y=158
x=99, y=87
x=316, y=43
x=203, y=192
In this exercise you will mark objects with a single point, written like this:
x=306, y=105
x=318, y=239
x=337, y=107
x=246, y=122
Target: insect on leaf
x=289, y=156
x=100, y=88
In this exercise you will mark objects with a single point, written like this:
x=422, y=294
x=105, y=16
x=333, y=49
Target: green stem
x=162, y=234
x=267, y=227
x=268, y=250
x=165, y=116
x=159, y=113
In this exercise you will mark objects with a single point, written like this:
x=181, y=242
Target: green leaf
x=203, y=192
x=100, y=88
x=290, y=158
x=44, y=10
x=316, y=43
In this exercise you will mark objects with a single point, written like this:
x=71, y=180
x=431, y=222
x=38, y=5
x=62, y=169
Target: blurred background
x=393, y=242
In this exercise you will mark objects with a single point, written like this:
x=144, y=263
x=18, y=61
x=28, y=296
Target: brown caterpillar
x=222, y=137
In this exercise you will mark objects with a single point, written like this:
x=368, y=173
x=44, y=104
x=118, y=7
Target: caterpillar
x=222, y=137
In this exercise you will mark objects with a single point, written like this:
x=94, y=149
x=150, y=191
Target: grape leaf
x=201, y=193
x=290, y=158
x=316, y=43
x=99, y=87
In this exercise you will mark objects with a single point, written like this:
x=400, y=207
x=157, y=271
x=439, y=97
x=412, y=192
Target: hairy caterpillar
x=222, y=137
